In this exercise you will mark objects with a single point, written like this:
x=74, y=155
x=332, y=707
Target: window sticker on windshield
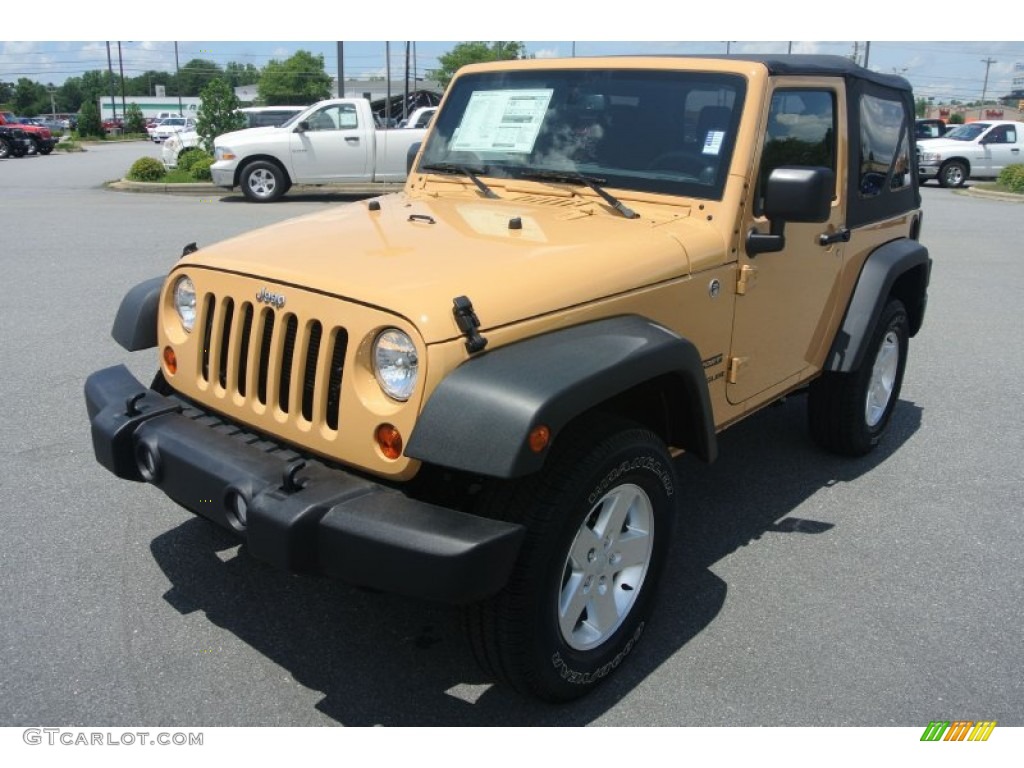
x=502, y=121
x=713, y=142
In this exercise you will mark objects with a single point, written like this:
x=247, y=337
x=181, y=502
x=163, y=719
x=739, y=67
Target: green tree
x=195, y=75
x=241, y=74
x=143, y=85
x=921, y=107
x=29, y=96
x=6, y=92
x=89, y=120
x=299, y=80
x=218, y=113
x=69, y=95
x=956, y=119
x=472, y=53
x=134, y=121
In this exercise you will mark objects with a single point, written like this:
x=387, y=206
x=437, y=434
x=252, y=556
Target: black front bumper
x=301, y=516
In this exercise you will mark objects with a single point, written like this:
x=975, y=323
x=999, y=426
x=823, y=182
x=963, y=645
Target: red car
x=42, y=137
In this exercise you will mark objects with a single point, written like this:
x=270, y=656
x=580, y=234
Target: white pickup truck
x=975, y=150
x=332, y=142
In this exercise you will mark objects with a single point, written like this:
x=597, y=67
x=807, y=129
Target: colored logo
x=958, y=730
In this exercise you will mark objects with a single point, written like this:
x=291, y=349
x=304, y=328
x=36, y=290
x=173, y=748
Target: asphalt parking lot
x=804, y=590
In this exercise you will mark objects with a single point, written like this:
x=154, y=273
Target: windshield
x=968, y=132
x=649, y=131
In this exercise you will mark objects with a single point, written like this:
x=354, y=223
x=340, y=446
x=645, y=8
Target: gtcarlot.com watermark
x=74, y=737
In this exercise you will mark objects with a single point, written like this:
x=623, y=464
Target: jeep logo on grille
x=266, y=297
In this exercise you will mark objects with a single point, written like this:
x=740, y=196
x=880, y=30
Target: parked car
x=14, y=142
x=43, y=140
x=331, y=142
x=420, y=118
x=972, y=151
x=932, y=128
x=474, y=390
x=171, y=126
x=259, y=117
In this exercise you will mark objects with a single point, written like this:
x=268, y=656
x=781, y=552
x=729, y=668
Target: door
x=330, y=145
x=1002, y=147
x=786, y=299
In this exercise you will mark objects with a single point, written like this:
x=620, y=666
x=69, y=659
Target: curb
x=1006, y=197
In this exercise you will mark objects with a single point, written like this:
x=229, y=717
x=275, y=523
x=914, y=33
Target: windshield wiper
x=465, y=170
x=574, y=177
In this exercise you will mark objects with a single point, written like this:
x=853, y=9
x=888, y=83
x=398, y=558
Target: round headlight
x=395, y=363
x=185, y=302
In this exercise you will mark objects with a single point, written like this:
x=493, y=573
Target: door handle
x=352, y=139
x=841, y=235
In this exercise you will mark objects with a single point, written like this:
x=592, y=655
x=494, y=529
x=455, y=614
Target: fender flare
x=901, y=268
x=135, y=323
x=479, y=417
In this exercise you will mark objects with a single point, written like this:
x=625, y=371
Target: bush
x=146, y=169
x=189, y=157
x=201, y=168
x=89, y=123
x=134, y=122
x=1012, y=177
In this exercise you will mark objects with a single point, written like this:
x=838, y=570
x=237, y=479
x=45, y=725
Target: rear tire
x=5, y=149
x=849, y=412
x=599, y=521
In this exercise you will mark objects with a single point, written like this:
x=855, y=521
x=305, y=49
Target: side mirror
x=793, y=194
x=410, y=156
x=302, y=127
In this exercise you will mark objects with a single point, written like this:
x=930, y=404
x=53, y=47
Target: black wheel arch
x=900, y=269
x=136, y=319
x=480, y=416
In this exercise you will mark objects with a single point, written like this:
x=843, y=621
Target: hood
x=412, y=257
x=237, y=138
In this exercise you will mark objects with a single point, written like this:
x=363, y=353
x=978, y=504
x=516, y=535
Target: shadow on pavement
x=382, y=659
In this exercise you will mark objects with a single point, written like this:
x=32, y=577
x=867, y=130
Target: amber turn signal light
x=389, y=440
x=540, y=436
x=170, y=360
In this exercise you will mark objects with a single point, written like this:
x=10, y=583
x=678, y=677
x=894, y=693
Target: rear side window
x=884, y=146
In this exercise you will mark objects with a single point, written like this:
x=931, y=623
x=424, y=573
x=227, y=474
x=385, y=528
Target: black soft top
x=810, y=64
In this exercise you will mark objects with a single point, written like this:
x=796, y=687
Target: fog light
x=170, y=361
x=238, y=510
x=389, y=440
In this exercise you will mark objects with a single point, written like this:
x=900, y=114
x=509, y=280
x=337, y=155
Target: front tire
x=599, y=520
x=263, y=181
x=953, y=174
x=5, y=149
x=849, y=412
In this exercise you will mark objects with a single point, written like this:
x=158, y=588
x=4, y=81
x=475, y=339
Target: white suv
x=170, y=126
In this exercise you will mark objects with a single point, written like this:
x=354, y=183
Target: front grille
x=275, y=358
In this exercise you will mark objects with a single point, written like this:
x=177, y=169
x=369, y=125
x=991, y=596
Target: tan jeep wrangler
x=473, y=390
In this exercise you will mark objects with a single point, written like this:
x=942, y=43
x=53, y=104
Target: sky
x=40, y=49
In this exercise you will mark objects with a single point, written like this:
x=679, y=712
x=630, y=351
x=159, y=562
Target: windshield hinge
x=735, y=365
x=468, y=323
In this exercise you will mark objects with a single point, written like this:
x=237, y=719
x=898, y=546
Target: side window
x=884, y=145
x=1003, y=134
x=801, y=131
x=337, y=117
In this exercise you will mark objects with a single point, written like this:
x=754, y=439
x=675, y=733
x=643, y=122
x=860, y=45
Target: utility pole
x=984, y=89
x=341, y=70
x=177, y=79
x=113, y=96
x=867, y=53
x=120, y=67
